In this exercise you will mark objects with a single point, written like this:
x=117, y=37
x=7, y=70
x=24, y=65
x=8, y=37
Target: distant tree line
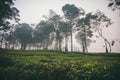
x=55, y=31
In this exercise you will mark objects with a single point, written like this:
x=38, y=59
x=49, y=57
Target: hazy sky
x=32, y=11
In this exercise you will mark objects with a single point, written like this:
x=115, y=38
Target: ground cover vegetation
x=56, y=65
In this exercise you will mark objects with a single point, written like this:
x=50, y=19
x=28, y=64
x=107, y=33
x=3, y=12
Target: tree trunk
x=85, y=40
x=58, y=41
x=59, y=44
x=71, y=35
x=13, y=46
x=29, y=46
x=71, y=41
x=106, y=42
x=106, y=47
x=23, y=46
x=1, y=42
x=109, y=45
x=83, y=46
x=46, y=45
x=66, y=45
x=6, y=45
x=56, y=44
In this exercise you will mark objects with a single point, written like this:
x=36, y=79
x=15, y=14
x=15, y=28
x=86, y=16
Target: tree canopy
x=23, y=34
x=114, y=4
x=7, y=12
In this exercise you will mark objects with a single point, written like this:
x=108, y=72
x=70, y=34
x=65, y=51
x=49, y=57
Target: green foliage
x=70, y=11
x=23, y=34
x=51, y=65
x=114, y=4
x=84, y=28
x=42, y=33
x=7, y=12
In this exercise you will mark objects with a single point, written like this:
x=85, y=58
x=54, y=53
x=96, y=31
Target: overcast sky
x=32, y=11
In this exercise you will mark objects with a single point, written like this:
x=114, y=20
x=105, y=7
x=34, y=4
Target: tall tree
x=84, y=29
x=10, y=40
x=102, y=21
x=44, y=30
x=38, y=38
x=23, y=34
x=7, y=12
x=71, y=12
x=55, y=19
x=65, y=29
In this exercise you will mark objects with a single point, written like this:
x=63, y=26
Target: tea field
x=55, y=65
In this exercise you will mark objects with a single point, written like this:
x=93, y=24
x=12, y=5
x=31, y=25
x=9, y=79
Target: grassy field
x=54, y=65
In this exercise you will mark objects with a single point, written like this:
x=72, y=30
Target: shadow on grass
x=5, y=61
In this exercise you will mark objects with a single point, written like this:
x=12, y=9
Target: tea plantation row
x=54, y=65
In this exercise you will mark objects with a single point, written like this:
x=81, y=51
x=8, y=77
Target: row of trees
x=56, y=30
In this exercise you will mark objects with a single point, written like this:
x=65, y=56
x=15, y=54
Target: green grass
x=55, y=65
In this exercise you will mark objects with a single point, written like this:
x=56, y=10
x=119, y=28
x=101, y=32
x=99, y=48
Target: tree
x=23, y=34
x=102, y=21
x=3, y=37
x=10, y=40
x=65, y=29
x=44, y=29
x=56, y=22
x=55, y=19
x=38, y=37
x=81, y=41
x=114, y=4
x=7, y=12
x=71, y=12
x=84, y=30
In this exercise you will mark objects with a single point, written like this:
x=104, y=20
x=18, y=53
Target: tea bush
x=50, y=65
